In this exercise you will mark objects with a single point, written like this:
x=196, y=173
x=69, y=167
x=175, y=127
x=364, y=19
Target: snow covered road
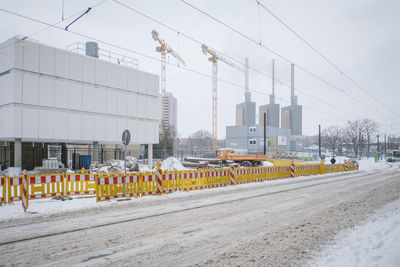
x=270, y=223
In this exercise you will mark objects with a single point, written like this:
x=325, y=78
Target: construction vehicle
x=230, y=154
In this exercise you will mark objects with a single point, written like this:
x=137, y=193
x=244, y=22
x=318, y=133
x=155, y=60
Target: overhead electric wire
x=54, y=24
x=143, y=55
x=321, y=55
x=279, y=55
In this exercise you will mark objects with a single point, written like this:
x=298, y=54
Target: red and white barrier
x=232, y=175
x=292, y=169
x=25, y=192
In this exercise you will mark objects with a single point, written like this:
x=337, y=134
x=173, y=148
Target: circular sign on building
x=126, y=137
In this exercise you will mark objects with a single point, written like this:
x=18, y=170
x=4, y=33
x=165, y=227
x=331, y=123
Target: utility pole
x=379, y=156
x=385, y=145
x=319, y=140
x=265, y=133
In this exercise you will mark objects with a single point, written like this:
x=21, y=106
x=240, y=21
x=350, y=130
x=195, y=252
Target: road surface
x=275, y=223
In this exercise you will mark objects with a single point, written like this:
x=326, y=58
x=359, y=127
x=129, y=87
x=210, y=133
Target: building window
x=252, y=141
x=252, y=129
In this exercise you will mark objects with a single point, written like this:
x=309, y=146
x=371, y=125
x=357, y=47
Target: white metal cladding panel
x=100, y=99
x=142, y=79
x=87, y=97
x=141, y=103
x=141, y=131
x=111, y=129
x=61, y=93
x=6, y=88
x=30, y=123
x=7, y=55
x=153, y=107
x=155, y=131
x=88, y=69
x=121, y=126
x=74, y=126
x=133, y=76
x=46, y=91
x=132, y=105
x=18, y=54
x=17, y=91
x=112, y=75
x=122, y=78
x=75, y=66
x=75, y=95
x=30, y=90
x=122, y=103
x=157, y=108
x=46, y=119
x=88, y=127
x=60, y=125
x=99, y=128
x=132, y=127
x=46, y=60
x=17, y=121
x=61, y=63
x=7, y=122
x=101, y=72
x=31, y=56
x=152, y=84
x=149, y=130
x=111, y=102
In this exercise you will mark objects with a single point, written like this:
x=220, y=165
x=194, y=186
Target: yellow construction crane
x=164, y=49
x=214, y=59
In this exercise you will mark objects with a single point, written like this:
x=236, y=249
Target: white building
x=53, y=95
x=170, y=113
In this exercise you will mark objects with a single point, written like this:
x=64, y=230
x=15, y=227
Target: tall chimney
x=292, y=96
x=247, y=96
x=272, y=97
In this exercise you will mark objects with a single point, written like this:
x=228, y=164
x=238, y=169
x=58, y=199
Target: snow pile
x=374, y=243
x=171, y=164
x=266, y=163
x=115, y=165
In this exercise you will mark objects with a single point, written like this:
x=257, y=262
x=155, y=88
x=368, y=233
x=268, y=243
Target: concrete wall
x=52, y=95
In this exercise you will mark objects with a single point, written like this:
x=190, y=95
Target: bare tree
x=352, y=135
x=369, y=129
x=200, y=140
x=331, y=138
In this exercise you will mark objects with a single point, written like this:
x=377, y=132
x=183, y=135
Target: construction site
x=123, y=120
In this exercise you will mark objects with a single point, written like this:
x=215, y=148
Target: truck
x=230, y=154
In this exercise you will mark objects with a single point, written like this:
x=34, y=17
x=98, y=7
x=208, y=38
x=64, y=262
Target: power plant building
x=292, y=116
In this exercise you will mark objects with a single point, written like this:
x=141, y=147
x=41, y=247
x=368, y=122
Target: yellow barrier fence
x=45, y=186
x=117, y=185
x=148, y=183
x=2, y=189
x=80, y=184
x=192, y=180
x=170, y=181
x=218, y=178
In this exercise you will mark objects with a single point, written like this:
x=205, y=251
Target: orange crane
x=164, y=49
x=214, y=59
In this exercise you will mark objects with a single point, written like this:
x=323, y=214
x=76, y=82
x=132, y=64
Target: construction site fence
x=106, y=186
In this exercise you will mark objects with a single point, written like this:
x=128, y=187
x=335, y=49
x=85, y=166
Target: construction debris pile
x=171, y=163
x=113, y=165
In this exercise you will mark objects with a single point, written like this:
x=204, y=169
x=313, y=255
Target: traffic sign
x=126, y=137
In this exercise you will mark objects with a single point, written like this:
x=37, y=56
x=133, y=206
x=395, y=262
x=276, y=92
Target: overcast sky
x=361, y=37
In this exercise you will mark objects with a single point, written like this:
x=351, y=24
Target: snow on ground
x=374, y=243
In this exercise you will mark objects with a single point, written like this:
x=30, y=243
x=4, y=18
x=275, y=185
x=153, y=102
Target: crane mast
x=214, y=59
x=164, y=49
